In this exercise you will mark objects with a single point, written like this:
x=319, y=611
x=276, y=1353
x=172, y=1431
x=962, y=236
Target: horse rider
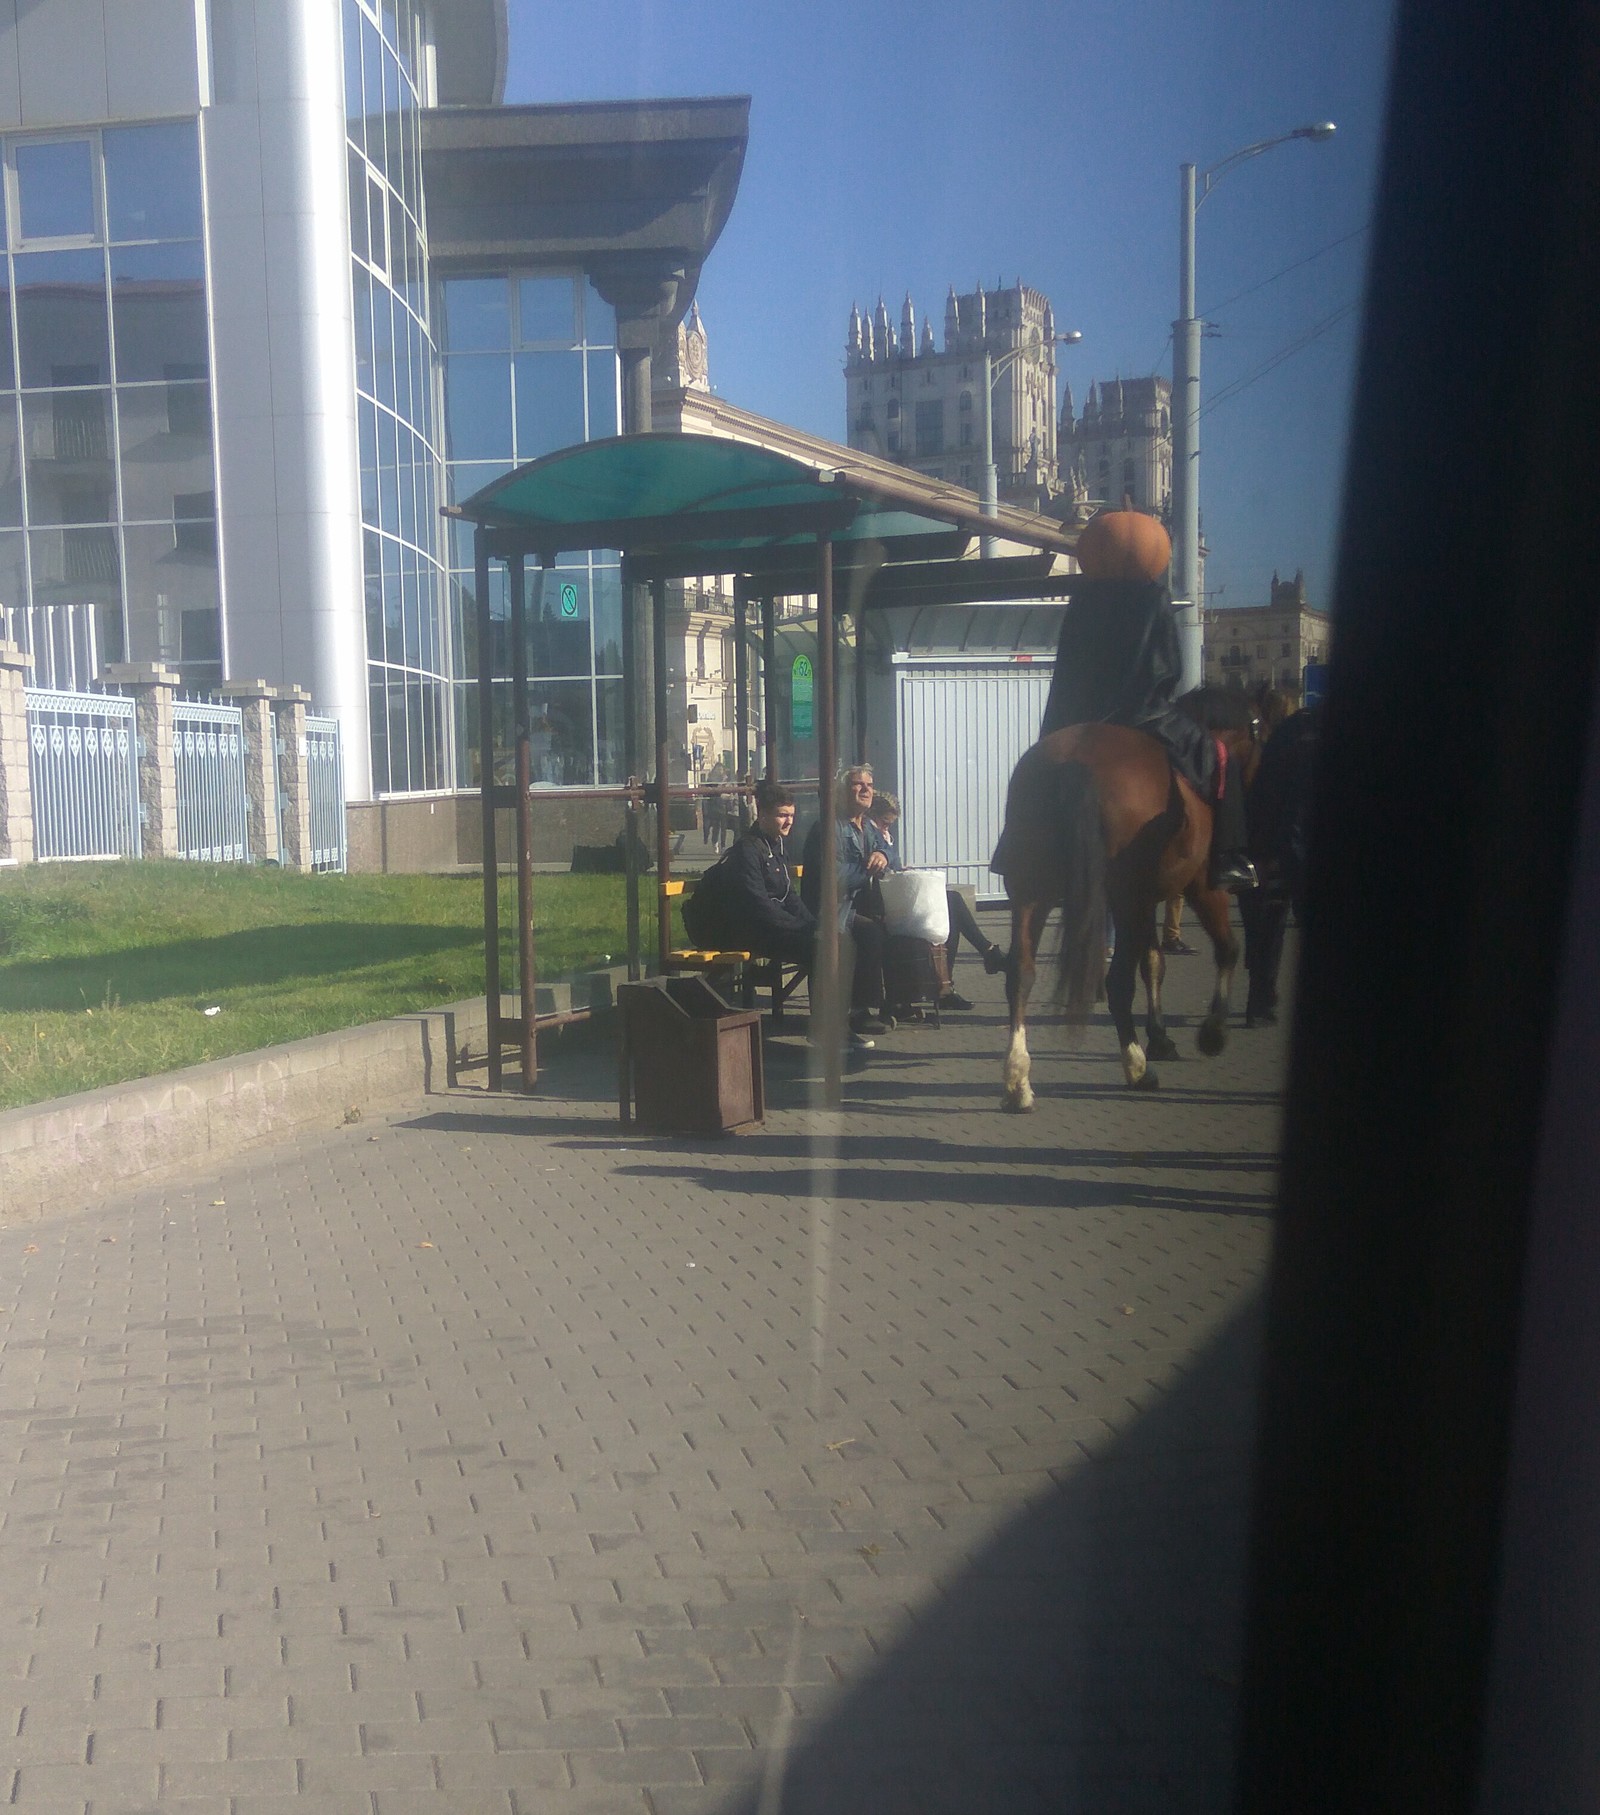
x=1119, y=663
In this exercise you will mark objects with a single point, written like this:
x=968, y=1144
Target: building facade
x=922, y=405
x=1268, y=645
x=1122, y=444
x=282, y=279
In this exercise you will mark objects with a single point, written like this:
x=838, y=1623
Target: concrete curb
x=63, y=1154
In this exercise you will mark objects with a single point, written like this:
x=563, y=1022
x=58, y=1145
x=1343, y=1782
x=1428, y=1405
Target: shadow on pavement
x=1004, y=1189
x=1087, y=1660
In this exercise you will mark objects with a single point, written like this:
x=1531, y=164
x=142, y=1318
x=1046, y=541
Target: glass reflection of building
x=531, y=366
x=108, y=539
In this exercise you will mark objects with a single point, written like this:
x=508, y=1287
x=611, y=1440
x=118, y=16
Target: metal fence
x=83, y=765
x=325, y=782
x=213, y=798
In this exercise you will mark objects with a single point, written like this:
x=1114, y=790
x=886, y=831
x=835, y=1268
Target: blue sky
x=896, y=146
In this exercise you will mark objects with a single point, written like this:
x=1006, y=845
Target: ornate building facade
x=922, y=405
x=1266, y=645
x=1122, y=443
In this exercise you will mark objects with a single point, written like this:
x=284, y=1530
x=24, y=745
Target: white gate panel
x=961, y=728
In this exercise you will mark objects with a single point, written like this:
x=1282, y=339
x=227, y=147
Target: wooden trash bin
x=688, y=1062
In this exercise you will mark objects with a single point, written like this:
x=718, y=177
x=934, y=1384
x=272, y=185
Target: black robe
x=1119, y=662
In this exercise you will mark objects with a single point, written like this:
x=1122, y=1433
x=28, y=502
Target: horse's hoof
x=1160, y=1046
x=1146, y=1081
x=1017, y=1105
x=1212, y=1035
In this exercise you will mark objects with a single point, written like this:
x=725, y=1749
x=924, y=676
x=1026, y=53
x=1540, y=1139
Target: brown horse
x=1098, y=820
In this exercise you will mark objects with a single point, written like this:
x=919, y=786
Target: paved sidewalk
x=484, y=1459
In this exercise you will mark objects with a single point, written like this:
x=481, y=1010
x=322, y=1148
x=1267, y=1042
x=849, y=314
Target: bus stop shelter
x=857, y=532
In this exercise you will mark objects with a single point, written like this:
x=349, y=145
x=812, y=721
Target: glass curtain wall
x=108, y=538
x=530, y=365
x=407, y=657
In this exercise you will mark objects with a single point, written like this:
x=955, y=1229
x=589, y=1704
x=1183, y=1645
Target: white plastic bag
x=914, y=904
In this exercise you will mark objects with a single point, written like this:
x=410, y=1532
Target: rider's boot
x=1231, y=867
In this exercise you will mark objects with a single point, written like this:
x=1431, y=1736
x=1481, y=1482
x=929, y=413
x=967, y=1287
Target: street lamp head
x=1323, y=129
x=1071, y=337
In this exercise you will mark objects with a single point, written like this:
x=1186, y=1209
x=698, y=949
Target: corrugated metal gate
x=962, y=724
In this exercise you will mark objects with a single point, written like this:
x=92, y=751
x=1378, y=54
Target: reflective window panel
x=166, y=452
x=61, y=318
x=55, y=189
x=152, y=181
x=478, y=407
x=71, y=473
x=549, y=401
x=547, y=311
x=477, y=315
x=158, y=309
x=10, y=477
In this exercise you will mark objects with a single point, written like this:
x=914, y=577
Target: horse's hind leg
x=1027, y=923
x=1153, y=968
x=1135, y=935
x=1211, y=909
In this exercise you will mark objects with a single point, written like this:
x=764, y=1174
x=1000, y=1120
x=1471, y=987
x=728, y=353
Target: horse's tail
x=1083, y=894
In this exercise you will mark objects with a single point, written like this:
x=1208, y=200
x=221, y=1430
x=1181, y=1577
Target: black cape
x=1119, y=662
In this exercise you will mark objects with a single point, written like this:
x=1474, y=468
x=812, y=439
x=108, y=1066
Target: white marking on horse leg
x=1133, y=1061
x=1019, y=1093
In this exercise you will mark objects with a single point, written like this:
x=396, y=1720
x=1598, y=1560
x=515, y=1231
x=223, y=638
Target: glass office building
x=239, y=377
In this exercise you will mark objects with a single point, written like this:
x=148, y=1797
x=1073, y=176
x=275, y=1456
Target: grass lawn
x=106, y=970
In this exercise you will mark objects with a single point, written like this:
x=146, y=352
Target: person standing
x=1279, y=807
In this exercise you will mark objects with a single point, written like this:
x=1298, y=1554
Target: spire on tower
x=885, y=336
x=908, y=329
x=952, y=321
x=927, y=335
x=852, y=339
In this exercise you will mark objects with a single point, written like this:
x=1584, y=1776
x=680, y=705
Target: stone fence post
x=289, y=717
x=16, y=787
x=152, y=688
x=260, y=764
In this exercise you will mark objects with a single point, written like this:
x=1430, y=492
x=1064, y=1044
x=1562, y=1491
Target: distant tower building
x=923, y=406
x=1122, y=443
x=684, y=366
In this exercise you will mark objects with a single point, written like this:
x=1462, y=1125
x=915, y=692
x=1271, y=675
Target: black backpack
x=705, y=907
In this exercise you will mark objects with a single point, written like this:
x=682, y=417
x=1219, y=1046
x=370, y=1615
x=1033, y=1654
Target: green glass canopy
x=719, y=497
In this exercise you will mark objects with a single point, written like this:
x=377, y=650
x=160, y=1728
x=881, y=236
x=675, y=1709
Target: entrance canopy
x=686, y=504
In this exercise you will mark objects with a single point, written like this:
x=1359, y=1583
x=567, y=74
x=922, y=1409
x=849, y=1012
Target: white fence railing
x=132, y=769
x=213, y=798
x=325, y=784
x=83, y=769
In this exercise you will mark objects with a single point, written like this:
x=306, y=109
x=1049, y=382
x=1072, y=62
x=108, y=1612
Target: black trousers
x=963, y=925
x=1265, y=913
x=866, y=985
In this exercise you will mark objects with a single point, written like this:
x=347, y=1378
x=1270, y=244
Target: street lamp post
x=1186, y=398
x=992, y=370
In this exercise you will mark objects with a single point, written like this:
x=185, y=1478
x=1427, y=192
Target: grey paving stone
x=944, y=1431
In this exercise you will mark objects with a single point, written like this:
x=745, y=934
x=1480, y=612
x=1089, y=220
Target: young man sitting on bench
x=748, y=901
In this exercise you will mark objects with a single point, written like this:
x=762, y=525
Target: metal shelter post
x=741, y=686
x=631, y=767
x=658, y=628
x=769, y=681
x=828, y=980
x=491, y=858
x=861, y=676
x=527, y=1037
